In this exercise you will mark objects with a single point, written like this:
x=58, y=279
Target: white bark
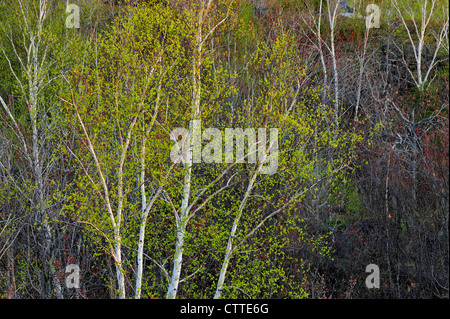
x=35, y=65
x=116, y=220
x=322, y=45
x=182, y=219
x=322, y=58
x=229, y=249
x=185, y=210
x=140, y=259
x=332, y=15
x=145, y=207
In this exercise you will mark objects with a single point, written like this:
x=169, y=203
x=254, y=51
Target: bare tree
x=33, y=76
x=420, y=25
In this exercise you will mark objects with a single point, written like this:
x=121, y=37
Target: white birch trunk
x=322, y=58
x=361, y=73
x=185, y=213
x=183, y=218
x=140, y=259
x=145, y=212
x=229, y=249
x=177, y=263
x=119, y=271
x=181, y=221
x=332, y=20
x=34, y=68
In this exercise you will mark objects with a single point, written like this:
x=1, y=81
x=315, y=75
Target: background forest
x=86, y=177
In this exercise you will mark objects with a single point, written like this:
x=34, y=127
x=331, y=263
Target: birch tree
x=204, y=28
x=425, y=21
x=332, y=13
x=322, y=25
x=280, y=105
x=129, y=90
x=33, y=59
x=188, y=84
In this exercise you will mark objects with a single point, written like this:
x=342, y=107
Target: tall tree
x=34, y=60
